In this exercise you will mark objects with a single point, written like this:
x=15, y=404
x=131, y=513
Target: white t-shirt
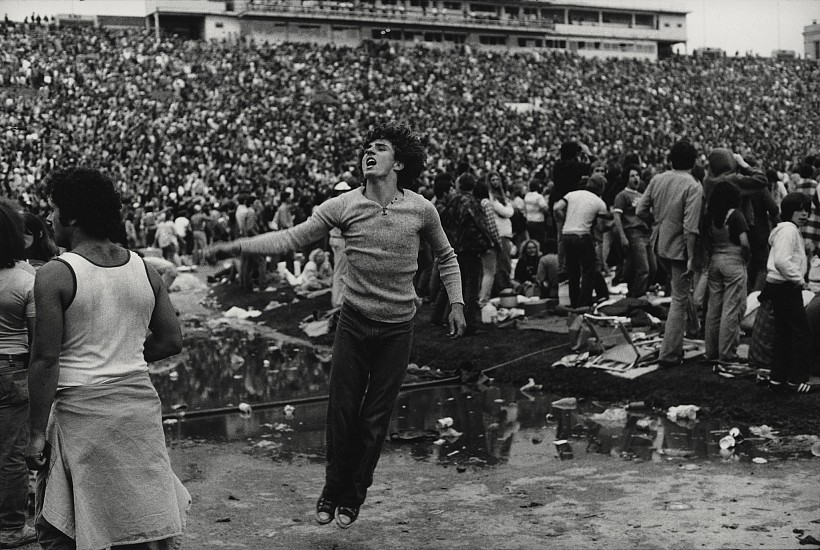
x=583, y=207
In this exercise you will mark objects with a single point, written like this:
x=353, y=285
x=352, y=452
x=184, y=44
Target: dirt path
x=534, y=501
x=241, y=501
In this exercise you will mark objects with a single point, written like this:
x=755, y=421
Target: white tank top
x=106, y=322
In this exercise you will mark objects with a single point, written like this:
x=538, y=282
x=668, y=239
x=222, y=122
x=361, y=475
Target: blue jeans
x=640, y=262
x=675, y=328
x=727, y=305
x=581, y=266
x=369, y=362
x=13, y=443
x=13, y=470
x=503, y=273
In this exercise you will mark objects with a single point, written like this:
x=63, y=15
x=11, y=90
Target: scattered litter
x=677, y=506
x=173, y=376
x=610, y=416
x=530, y=385
x=689, y=467
x=267, y=444
x=186, y=282
x=170, y=421
x=289, y=410
x=273, y=305
x=764, y=431
x=239, y=313
x=759, y=460
x=245, y=410
x=439, y=442
x=684, y=412
x=735, y=432
x=450, y=434
x=413, y=435
x=564, y=449
x=566, y=403
x=443, y=423
x=727, y=442
x=453, y=453
x=179, y=407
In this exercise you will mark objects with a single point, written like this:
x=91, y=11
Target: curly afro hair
x=89, y=197
x=408, y=150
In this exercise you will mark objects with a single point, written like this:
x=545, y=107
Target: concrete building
x=811, y=41
x=645, y=29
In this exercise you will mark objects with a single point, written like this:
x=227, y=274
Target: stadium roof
x=664, y=6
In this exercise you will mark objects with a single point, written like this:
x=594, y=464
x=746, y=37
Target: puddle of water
x=500, y=425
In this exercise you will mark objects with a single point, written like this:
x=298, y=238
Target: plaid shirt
x=810, y=231
x=489, y=218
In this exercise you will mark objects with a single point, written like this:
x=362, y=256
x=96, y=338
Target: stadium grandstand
x=644, y=29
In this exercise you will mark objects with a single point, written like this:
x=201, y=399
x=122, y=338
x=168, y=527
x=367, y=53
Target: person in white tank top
x=95, y=418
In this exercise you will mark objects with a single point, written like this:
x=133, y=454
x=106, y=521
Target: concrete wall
x=222, y=28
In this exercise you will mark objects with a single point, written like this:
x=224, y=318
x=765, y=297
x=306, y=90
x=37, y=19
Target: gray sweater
x=381, y=245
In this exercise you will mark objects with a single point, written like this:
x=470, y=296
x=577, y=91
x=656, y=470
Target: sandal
x=346, y=515
x=325, y=510
x=804, y=387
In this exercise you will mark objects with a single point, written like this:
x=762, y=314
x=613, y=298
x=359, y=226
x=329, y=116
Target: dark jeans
x=51, y=538
x=503, y=271
x=792, y=335
x=369, y=362
x=640, y=263
x=13, y=471
x=581, y=268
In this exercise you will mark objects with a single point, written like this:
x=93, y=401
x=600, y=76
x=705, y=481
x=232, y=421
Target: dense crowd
x=175, y=119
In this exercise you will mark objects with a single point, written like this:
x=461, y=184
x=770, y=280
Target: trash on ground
x=414, y=435
x=566, y=403
x=727, y=442
x=759, y=460
x=443, y=423
x=289, y=410
x=682, y=412
x=185, y=282
x=239, y=313
x=245, y=410
x=530, y=386
x=763, y=431
x=563, y=448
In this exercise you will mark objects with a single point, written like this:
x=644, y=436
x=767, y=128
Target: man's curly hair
x=88, y=196
x=408, y=150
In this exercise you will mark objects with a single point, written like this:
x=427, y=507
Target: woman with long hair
x=503, y=211
x=16, y=329
x=489, y=259
x=724, y=232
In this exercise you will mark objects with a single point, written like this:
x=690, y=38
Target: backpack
x=461, y=222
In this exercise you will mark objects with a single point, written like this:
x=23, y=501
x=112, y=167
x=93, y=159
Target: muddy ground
x=693, y=383
x=247, y=499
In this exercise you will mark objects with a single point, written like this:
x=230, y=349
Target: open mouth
x=370, y=162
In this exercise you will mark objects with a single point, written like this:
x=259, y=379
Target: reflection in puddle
x=500, y=425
